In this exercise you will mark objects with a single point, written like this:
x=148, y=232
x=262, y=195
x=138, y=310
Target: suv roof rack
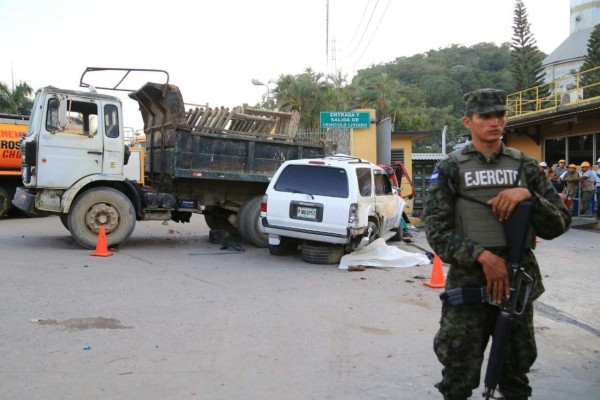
x=342, y=157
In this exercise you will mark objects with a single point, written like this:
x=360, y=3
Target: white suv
x=330, y=206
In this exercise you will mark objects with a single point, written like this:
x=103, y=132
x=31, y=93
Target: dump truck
x=215, y=162
x=12, y=128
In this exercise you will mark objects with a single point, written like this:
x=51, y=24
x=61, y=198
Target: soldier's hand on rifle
x=505, y=202
x=496, y=274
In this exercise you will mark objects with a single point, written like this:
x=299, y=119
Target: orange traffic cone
x=437, y=274
x=101, y=246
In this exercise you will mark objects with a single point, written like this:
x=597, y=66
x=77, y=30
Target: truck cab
x=72, y=135
x=72, y=165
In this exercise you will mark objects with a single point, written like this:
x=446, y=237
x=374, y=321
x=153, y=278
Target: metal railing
x=571, y=90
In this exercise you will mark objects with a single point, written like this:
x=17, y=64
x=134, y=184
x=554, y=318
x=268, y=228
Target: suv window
x=364, y=181
x=322, y=181
x=382, y=185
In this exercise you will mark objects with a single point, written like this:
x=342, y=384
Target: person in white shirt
x=588, y=183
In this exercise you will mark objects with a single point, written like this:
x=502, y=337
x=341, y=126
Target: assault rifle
x=515, y=230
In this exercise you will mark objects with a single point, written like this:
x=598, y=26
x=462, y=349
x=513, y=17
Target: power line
x=362, y=18
x=373, y=35
x=364, y=31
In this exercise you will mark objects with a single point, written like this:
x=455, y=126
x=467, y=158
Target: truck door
x=113, y=141
x=70, y=146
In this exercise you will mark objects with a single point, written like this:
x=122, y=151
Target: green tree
x=421, y=92
x=591, y=80
x=526, y=66
x=304, y=93
x=17, y=100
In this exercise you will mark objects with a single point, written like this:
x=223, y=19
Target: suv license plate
x=306, y=212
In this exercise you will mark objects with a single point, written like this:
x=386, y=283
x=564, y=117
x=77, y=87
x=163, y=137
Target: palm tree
x=17, y=100
x=304, y=93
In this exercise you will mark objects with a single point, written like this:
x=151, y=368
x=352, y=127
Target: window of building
x=574, y=149
x=597, y=155
x=397, y=155
x=580, y=148
x=555, y=149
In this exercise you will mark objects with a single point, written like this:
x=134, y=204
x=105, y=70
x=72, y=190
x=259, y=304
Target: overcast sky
x=213, y=49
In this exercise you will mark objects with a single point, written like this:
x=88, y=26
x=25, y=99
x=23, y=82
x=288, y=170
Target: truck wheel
x=218, y=219
x=322, y=253
x=5, y=204
x=248, y=219
x=97, y=207
x=64, y=220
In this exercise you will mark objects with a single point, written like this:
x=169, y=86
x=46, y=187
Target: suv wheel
x=372, y=231
x=322, y=253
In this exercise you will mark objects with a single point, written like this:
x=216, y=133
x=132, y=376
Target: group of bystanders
x=573, y=184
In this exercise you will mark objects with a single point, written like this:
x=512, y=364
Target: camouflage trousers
x=460, y=346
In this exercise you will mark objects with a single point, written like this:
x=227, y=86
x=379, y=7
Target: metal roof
x=574, y=47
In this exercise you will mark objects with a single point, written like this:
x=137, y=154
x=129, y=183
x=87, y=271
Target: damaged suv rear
x=329, y=206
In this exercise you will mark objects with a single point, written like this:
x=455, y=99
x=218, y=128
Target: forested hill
x=429, y=87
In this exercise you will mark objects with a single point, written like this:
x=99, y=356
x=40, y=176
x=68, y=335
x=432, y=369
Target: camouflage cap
x=485, y=101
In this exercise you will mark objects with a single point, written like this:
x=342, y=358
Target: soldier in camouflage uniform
x=469, y=236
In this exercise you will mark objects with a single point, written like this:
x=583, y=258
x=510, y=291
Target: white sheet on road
x=379, y=254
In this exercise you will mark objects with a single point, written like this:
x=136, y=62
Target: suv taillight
x=352, y=216
x=263, y=204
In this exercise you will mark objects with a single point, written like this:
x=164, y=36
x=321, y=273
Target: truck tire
x=64, y=220
x=217, y=218
x=248, y=219
x=101, y=206
x=322, y=253
x=5, y=202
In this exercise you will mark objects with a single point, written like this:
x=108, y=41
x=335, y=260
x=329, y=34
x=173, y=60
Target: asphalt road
x=172, y=316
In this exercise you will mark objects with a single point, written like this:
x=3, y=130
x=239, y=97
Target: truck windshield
x=314, y=180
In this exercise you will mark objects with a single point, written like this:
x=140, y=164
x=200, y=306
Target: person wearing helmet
x=588, y=183
x=561, y=167
x=571, y=177
x=543, y=167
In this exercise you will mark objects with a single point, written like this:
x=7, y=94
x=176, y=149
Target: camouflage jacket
x=550, y=219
